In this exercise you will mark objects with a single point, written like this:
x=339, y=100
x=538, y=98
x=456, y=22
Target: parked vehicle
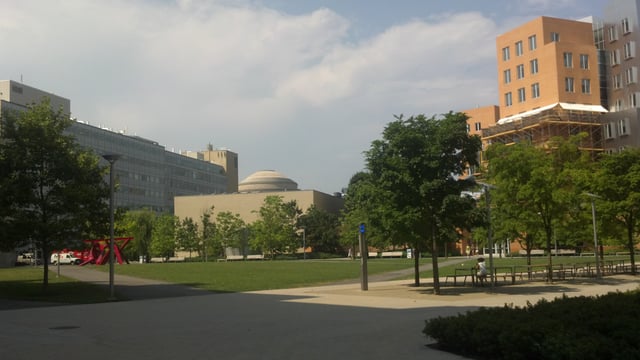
x=29, y=259
x=65, y=258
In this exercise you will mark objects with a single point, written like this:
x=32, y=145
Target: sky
x=298, y=86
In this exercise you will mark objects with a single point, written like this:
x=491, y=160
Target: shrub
x=603, y=327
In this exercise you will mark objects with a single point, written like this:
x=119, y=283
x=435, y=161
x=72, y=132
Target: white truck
x=65, y=258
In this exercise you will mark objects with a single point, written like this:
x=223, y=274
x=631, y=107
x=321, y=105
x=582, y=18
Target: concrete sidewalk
x=167, y=321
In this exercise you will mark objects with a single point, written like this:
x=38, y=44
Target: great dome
x=266, y=180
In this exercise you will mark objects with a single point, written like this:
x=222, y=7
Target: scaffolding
x=558, y=121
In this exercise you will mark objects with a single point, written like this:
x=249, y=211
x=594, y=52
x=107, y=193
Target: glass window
x=623, y=126
x=555, y=37
x=629, y=50
x=613, y=33
x=520, y=71
x=631, y=75
x=633, y=100
x=507, y=99
x=626, y=28
x=505, y=54
x=532, y=42
x=609, y=131
x=614, y=57
x=507, y=76
x=568, y=59
x=478, y=126
x=535, y=90
x=584, y=61
x=568, y=84
x=521, y=95
x=617, y=81
x=534, y=66
x=586, y=86
x=519, y=48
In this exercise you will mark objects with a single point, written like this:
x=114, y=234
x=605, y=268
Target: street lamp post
x=595, y=233
x=111, y=158
x=304, y=244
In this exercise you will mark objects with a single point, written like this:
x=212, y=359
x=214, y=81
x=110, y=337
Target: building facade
x=619, y=36
x=148, y=175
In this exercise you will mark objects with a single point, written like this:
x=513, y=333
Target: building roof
x=267, y=180
x=565, y=106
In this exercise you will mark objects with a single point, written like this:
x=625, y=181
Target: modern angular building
x=618, y=38
x=148, y=175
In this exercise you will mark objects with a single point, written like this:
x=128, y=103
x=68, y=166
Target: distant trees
x=52, y=190
x=275, y=230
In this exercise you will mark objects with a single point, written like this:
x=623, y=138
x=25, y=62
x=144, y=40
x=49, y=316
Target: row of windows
x=633, y=102
x=625, y=27
x=534, y=68
x=628, y=51
x=619, y=128
x=630, y=77
x=569, y=82
x=532, y=45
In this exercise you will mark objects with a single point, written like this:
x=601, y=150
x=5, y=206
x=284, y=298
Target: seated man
x=482, y=271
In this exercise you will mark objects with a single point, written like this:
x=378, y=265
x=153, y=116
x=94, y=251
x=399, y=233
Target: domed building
x=266, y=180
x=250, y=197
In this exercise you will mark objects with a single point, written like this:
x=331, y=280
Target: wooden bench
x=255, y=257
x=460, y=273
x=391, y=254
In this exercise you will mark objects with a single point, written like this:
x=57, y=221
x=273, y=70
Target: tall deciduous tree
x=321, y=230
x=187, y=235
x=207, y=235
x=53, y=190
x=164, y=241
x=414, y=169
x=275, y=231
x=230, y=232
x=139, y=224
x=617, y=182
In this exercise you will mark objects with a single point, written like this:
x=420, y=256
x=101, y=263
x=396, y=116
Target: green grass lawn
x=25, y=283
x=235, y=276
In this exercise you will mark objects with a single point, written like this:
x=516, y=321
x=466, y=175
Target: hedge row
x=603, y=327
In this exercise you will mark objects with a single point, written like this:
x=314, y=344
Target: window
x=617, y=81
x=532, y=42
x=629, y=50
x=614, y=57
x=478, y=126
x=568, y=59
x=631, y=75
x=507, y=99
x=521, y=95
x=519, y=48
x=609, y=131
x=613, y=33
x=535, y=90
x=626, y=28
x=568, y=84
x=633, y=100
x=618, y=105
x=534, y=66
x=507, y=76
x=468, y=128
x=520, y=71
x=584, y=61
x=505, y=54
x=586, y=86
x=555, y=37
x=623, y=126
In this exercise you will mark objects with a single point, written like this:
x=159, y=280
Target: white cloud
x=289, y=92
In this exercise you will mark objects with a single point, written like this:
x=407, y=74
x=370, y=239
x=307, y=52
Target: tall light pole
x=595, y=233
x=304, y=243
x=111, y=158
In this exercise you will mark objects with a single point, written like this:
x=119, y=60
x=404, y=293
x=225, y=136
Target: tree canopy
x=413, y=187
x=53, y=190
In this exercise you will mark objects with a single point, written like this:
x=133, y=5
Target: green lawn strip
x=239, y=276
x=25, y=283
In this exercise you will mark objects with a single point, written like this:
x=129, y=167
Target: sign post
x=364, y=253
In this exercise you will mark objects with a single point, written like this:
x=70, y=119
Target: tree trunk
x=630, y=244
x=45, y=262
x=416, y=266
x=434, y=262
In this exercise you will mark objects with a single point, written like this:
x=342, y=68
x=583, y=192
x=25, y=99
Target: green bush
x=603, y=327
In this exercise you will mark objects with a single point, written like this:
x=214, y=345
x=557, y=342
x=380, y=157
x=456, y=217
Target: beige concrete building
x=481, y=118
x=223, y=157
x=256, y=188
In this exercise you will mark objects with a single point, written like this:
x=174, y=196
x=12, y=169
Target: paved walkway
x=167, y=321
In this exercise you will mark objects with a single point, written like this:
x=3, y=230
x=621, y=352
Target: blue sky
x=301, y=87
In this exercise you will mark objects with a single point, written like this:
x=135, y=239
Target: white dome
x=266, y=180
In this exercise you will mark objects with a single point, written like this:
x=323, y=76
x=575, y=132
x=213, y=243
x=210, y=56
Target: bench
x=568, y=252
x=535, y=252
x=391, y=254
x=255, y=257
x=176, y=259
x=460, y=273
